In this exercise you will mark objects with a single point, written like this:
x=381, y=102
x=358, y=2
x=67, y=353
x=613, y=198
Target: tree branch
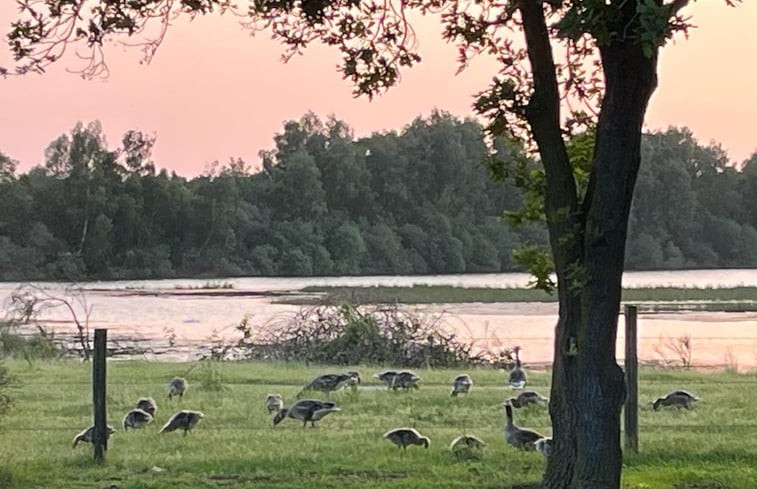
x=543, y=114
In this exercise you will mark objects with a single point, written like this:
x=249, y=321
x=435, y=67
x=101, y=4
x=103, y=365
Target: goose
x=544, y=446
x=518, y=375
x=461, y=384
x=405, y=380
x=387, y=377
x=519, y=437
x=466, y=442
x=148, y=405
x=326, y=383
x=402, y=437
x=183, y=420
x=177, y=386
x=274, y=403
x=89, y=434
x=526, y=398
x=137, y=418
x=677, y=398
x=354, y=380
x=306, y=410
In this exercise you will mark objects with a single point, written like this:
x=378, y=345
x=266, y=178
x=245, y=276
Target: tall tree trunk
x=588, y=246
x=588, y=386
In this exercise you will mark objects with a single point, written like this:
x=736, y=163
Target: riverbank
x=235, y=445
x=655, y=298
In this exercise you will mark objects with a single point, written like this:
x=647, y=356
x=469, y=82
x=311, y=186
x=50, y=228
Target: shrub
x=34, y=347
x=348, y=335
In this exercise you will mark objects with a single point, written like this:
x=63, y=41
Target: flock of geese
x=144, y=414
x=312, y=410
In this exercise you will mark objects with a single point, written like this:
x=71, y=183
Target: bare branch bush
x=29, y=302
x=680, y=348
x=489, y=345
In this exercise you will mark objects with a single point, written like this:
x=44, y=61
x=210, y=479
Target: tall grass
x=711, y=446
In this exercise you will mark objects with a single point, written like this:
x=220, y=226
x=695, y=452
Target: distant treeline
x=415, y=202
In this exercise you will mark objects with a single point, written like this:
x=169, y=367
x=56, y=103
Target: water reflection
x=145, y=311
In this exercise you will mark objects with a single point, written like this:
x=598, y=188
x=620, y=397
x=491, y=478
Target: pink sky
x=214, y=92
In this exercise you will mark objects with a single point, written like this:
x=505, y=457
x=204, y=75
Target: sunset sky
x=214, y=92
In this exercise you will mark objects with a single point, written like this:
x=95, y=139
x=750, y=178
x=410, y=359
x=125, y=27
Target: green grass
x=712, y=446
x=735, y=298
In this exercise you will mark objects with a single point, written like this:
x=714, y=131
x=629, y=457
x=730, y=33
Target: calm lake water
x=149, y=311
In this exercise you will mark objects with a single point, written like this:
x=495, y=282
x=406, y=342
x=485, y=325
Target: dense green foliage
x=692, y=207
x=324, y=202
x=711, y=446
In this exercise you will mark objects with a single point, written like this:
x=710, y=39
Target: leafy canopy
x=376, y=38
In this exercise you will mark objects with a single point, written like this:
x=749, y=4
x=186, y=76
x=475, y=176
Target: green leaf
x=538, y=261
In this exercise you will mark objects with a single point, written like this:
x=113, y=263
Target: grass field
x=735, y=298
x=710, y=447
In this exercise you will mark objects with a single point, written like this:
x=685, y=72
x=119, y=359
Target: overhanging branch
x=543, y=114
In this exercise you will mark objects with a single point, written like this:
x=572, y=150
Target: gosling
x=326, y=383
x=466, y=442
x=386, y=377
x=461, y=385
x=544, y=446
x=183, y=420
x=177, y=386
x=527, y=398
x=148, y=405
x=88, y=435
x=402, y=437
x=679, y=399
x=306, y=410
x=137, y=418
x=274, y=403
x=354, y=380
x=405, y=380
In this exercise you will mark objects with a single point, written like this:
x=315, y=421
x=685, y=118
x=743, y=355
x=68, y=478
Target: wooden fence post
x=100, y=438
x=632, y=381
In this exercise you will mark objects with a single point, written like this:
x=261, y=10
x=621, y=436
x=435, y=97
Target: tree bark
x=588, y=245
x=630, y=79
